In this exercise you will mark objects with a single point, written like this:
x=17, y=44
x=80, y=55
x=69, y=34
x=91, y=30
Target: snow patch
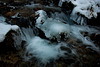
x=5, y=28
x=83, y=9
x=42, y=17
x=87, y=8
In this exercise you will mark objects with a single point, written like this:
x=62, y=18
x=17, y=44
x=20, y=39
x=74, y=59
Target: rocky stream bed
x=72, y=50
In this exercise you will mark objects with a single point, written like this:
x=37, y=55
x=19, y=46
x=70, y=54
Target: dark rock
x=94, y=21
x=9, y=43
x=4, y=8
x=25, y=12
x=95, y=38
x=65, y=49
x=10, y=14
x=67, y=6
x=10, y=56
x=41, y=34
x=21, y=22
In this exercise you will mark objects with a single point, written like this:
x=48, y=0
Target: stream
x=49, y=33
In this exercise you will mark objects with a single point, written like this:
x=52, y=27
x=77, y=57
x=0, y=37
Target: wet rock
x=65, y=49
x=41, y=34
x=38, y=1
x=4, y=8
x=85, y=34
x=21, y=22
x=86, y=56
x=33, y=19
x=95, y=38
x=7, y=0
x=25, y=12
x=65, y=62
x=50, y=2
x=10, y=56
x=18, y=1
x=15, y=2
x=94, y=21
x=10, y=14
x=73, y=41
x=9, y=43
x=67, y=6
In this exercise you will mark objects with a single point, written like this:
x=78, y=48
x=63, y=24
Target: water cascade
x=50, y=35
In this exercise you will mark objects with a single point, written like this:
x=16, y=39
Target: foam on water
x=44, y=50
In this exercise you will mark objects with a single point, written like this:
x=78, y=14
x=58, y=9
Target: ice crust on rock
x=51, y=27
x=54, y=28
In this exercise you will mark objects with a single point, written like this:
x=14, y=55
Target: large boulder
x=9, y=37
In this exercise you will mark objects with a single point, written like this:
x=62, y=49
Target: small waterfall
x=52, y=35
x=44, y=51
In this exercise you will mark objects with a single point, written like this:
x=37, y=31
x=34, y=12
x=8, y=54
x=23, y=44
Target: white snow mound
x=5, y=28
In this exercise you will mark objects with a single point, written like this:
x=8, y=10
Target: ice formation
x=83, y=8
x=62, y=17
x=87, y=8
x=51, y=27
x=43, y=50
x=5, y=28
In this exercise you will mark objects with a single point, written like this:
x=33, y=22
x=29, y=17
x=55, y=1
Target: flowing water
x=55, y=40
x=61, y=38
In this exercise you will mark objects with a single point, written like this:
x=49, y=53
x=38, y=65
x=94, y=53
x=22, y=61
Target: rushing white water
x=46, y=51
x=76, y=32
x=53, y=26
x=43, y=50
x=51, y=39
